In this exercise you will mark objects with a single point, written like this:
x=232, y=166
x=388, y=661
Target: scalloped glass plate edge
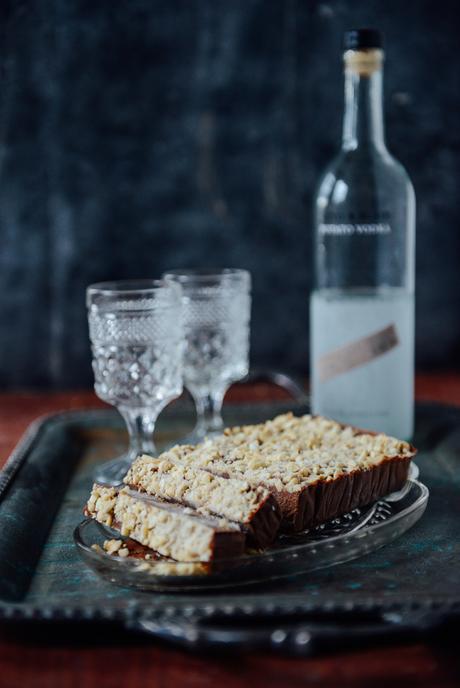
x=388, y=521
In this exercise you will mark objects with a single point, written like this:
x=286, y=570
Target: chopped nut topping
x=112, y=546
x=231, y=477
x=171, y=479
x=161, y=527
x=288, y=452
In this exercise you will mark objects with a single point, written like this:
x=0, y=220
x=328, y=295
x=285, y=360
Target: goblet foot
x=112, y=472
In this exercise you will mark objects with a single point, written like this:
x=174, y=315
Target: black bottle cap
x=362, y=39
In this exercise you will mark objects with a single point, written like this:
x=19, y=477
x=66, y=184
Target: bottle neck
x=363, y=118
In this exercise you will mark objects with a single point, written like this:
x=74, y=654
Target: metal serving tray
x=410, y=585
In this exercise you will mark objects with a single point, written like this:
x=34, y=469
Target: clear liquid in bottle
x=362, y=307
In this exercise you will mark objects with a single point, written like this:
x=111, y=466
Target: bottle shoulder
x=365, y=160
x=352, y=168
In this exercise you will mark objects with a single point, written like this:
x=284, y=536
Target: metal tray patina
x=393, y=589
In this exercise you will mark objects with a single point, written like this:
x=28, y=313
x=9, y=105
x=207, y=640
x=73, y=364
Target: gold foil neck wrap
x=363, y=62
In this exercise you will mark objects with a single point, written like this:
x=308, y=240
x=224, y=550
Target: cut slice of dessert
x=253, y=507
x=175, y=532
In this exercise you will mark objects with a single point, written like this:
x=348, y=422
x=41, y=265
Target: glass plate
x=347, y=537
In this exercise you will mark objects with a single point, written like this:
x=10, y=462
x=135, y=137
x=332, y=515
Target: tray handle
x=291, y=384
x=301, y=637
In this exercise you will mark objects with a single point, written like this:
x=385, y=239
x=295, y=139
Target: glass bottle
x=362, y=305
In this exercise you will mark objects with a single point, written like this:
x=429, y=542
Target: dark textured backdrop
x=139, y=135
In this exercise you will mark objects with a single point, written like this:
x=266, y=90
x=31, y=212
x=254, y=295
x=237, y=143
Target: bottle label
x=351, y=229
x=357, y=353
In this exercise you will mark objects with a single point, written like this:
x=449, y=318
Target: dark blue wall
x=146, y=134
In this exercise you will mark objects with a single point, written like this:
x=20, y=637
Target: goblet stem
x=209, y=414
x=140, y=424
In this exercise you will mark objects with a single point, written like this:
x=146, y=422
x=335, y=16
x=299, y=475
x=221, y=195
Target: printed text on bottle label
x=353, y=229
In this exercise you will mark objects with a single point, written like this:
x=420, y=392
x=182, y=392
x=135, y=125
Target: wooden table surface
x=69, y=656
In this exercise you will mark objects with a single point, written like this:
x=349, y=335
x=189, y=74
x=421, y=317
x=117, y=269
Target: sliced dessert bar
x=254, y=508
x=316, y=468
x=175, y=532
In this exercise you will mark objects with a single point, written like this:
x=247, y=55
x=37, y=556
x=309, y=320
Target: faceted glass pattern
x=137, y=352
x=216, y=323
x=137, y=343
x=216, y=312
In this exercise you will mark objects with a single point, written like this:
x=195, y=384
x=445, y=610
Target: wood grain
x=68, y=657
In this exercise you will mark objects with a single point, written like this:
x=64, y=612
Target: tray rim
x=286, y=603
x=31, y=436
